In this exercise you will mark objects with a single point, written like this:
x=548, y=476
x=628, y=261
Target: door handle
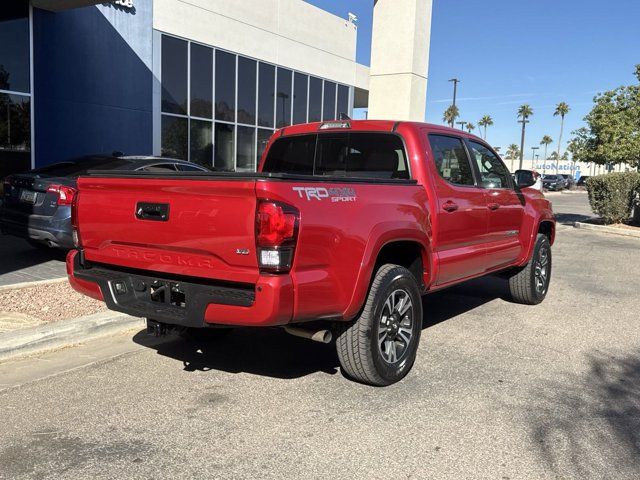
x=493, y=206
x=450, y=206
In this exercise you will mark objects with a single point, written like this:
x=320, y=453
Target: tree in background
x=546, y=141
x=513, y=152
x=485, y=121
x=561, y=110
x=470, y=126
x=524, y=112
x=612, y=134
x=450, y=115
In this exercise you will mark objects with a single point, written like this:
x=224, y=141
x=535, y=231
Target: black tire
x=529, y=285
x=366, y=347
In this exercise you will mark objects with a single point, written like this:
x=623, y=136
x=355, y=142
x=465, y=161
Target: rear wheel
x=529, y=285
x=380, y=346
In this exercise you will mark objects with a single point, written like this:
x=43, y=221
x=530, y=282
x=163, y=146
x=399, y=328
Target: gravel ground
x=48, y=303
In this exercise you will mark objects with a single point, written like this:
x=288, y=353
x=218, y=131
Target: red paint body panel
x=89, y=289
x=212, y=219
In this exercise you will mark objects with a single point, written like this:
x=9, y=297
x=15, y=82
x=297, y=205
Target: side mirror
x=524, y=178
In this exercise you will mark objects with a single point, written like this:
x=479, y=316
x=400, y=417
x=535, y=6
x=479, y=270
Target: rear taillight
x=65, y=194
x=75, y=233
x=276, y=235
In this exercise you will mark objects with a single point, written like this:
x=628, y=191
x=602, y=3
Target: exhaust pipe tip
x=321, y=336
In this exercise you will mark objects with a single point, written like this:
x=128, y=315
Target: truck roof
x=371, y=126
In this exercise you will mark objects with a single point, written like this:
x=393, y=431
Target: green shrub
x=611, y=195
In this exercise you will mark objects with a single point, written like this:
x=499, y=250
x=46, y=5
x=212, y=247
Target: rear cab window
x=340, y=154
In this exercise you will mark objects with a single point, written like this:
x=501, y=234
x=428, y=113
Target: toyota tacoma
x=343, y=228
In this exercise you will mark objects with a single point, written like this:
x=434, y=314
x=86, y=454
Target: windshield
x=550, y=177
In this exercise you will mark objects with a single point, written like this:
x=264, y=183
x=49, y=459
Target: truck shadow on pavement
x=273, y=353
x=589, y=426
x=571, y=218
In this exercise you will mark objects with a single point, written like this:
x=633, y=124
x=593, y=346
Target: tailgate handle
x=152, y=211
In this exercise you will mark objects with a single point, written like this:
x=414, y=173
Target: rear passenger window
x=359, y=155
x=451, y=159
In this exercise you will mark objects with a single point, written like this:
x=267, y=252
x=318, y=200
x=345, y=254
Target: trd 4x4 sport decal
x=320, y=193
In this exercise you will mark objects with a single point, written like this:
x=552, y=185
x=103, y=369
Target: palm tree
x=524, y=112
x=450, y=115
x=513, y=152
x=561, y=109
x=485, y=121
x=546, y=141
x=470, y=126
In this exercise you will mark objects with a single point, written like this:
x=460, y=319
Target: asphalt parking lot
x=499, y=391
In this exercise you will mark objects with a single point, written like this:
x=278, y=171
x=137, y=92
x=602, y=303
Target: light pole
x=462, y=124
x=533, y=154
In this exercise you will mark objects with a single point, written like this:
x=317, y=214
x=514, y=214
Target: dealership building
x=202, y=80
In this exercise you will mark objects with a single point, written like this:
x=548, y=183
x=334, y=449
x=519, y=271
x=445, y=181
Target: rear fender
x=381, y=235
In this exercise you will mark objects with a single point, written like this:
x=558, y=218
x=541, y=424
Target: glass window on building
x=263, y=139
x=329, y=101
x=225, y=86
x=246, y=156
x=224, y=142
x=283, y=98
x=343, y=100
x=266, y=94
x=15, y=88
x=300, y=86
x=174, y=137
x=174, y=75
x=220, y=109
x=201, y=81
x=201, y=137
x=246, y=91
x=315, y=99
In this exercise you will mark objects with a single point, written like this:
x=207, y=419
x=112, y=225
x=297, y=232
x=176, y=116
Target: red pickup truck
x=343, y=228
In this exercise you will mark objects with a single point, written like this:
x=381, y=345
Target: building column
x=399, y=59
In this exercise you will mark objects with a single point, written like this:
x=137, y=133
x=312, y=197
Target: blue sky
x=510, y=52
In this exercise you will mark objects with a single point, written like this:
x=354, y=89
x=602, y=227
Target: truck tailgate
x=191, y=227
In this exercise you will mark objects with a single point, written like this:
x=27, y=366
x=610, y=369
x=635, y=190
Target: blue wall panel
x=92, y=81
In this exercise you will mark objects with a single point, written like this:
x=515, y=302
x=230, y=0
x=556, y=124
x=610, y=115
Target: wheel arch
x=409, y=248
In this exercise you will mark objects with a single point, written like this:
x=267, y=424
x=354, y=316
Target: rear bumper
x=161, y=297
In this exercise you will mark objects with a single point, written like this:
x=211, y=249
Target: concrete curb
x=64, y=333
x=17, y=286
x=607, y=229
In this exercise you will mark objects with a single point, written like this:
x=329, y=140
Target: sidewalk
x=23, y=263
